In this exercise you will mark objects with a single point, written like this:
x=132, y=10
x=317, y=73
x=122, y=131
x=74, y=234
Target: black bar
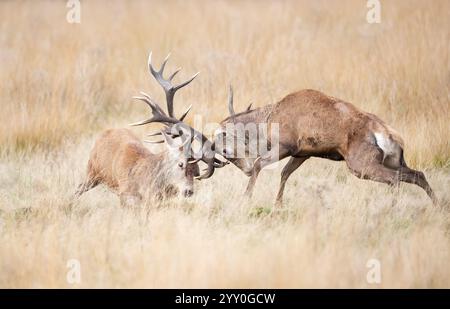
x=367, y=298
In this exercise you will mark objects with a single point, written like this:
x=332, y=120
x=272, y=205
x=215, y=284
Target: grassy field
x=62, y=84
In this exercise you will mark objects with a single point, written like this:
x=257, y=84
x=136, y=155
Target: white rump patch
x=390, y=148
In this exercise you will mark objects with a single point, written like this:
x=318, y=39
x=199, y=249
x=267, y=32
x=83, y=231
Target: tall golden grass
x=62, y=80
x=61, y=84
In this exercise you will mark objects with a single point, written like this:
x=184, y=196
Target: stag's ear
x=173, y=145
x=170, y=143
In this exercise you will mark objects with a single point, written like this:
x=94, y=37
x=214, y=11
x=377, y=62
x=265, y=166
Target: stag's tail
x=391, y=143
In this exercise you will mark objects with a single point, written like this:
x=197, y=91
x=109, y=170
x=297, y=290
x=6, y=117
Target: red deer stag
x=312, y=124
x=120, y=161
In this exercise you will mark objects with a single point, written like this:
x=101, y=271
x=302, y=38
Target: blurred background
x=63, y=80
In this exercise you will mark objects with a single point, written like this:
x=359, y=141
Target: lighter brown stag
x=312, y=124
x=120, y=161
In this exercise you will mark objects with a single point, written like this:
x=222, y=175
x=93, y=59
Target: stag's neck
x=257, y=115
x=155, y=169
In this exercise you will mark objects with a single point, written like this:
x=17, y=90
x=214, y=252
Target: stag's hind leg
x=288, y=169
x=91, y=181
x=409, y=175
x=86, y=186
x=366, y=162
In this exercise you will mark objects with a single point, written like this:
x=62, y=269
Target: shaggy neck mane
x=159, y=171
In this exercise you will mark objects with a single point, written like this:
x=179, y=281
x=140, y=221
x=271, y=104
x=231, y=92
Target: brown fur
x=120, y=161
x=312, y=124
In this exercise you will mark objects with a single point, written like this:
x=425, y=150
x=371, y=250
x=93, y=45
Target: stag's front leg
x=130, y=199
x=129, y=194
x=275, y=155
x=259, y=164
x=288, y=169
x=255, y=172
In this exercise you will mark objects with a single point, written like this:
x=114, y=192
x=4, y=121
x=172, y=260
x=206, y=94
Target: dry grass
x=62, y=84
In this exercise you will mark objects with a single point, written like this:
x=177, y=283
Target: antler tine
x=194, y=161
x=174, y=73
x=211, y=160
x=166, y=130
x=153, y=142
x=185, y=113
x=163, y=65
x=150, y=66
x=230, y=102
x=166, y=84
x=186, y=82
x=158, y=74
x=149, y=62
x=158, y=114
x=154, y=134
x=207, y=152
x=160, y=110
x=212, y=163
x=220, y=163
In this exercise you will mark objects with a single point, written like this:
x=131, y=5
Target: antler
x=166, y=84
x=231, y=107
x=230, y=103
x=158, y=115
x=207, y=152
x=174, y=126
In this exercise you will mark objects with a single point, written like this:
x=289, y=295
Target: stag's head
x=237, y=141
x=179, y=168
x=185, y=160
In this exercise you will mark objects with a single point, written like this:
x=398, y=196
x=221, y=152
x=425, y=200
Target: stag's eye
x=180, y=164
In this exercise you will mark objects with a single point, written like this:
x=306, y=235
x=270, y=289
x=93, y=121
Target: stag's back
x=323, y=123
x=114, y=155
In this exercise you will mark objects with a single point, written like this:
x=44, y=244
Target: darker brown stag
x=312, y=124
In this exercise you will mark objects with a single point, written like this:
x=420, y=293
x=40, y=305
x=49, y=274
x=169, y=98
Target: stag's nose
x=188, y=192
